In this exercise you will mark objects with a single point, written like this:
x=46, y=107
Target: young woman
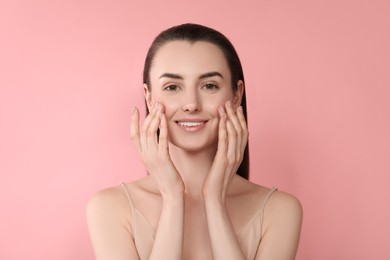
x=196, y=202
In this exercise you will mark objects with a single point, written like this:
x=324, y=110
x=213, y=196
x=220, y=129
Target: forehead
x=186, y=57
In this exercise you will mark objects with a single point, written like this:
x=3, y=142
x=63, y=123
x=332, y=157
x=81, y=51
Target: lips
x=191, y=124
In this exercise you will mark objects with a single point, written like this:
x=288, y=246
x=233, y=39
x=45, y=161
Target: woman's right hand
x=154, y=151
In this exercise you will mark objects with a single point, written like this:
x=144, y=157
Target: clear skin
x=193, y=196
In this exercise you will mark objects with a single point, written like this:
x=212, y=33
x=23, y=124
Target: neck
x=193, y=167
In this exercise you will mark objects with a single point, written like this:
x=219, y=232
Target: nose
x=191, y=102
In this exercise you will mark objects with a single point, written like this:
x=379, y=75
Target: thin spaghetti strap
x=263, y=206
x=126, y=190
x=262, y=214
x=131, y=205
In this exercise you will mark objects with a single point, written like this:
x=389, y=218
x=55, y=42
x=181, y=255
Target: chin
x=194, y=145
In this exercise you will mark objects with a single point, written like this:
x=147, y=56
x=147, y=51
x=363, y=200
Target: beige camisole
x=143, y=233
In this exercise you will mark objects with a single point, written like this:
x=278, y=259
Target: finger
x=232, y=144
x=222, y=134
x=232, y=116
x=146, y=124
x=163, y=138
x=244, y=127
x=153, y=127
x=237, y=126
x=134, y=130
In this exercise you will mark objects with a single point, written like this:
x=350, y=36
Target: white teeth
x=190, y=123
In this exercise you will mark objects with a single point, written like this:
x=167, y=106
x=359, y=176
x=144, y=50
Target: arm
x=281, y=228
x=232, y=139
x=168, y=242
x=224, y=243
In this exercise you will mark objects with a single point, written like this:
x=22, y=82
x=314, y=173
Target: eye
x=210, y=87
x=171, y=88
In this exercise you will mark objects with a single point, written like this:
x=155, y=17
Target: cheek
x=216, y=104
x=215, y=108
x=158, y=97
x=169, y=108
x=220, y=100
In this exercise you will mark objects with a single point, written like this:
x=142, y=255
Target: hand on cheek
x=154, y=151
x=232, y=139
x=240, y=130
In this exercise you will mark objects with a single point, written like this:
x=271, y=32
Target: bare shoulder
x=105, y=203
x=282, y=206
x=109, y=224
x=113, y=199
x=281, y=222
x=279, y=208
x=106, y=196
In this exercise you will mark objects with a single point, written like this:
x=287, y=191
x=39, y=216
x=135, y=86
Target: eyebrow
x=202, y=76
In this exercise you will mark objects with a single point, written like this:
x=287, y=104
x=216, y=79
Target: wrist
x=173, y=197
x=214, y=201
x=172, y=192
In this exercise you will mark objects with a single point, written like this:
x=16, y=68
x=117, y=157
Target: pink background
x=318, y=85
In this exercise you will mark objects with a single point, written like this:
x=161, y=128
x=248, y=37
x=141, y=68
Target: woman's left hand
x=232, y=141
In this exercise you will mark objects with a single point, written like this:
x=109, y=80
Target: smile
x=190, y=123
x=191, y=126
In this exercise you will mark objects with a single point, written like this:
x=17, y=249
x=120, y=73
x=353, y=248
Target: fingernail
x=228, y=103
x=133, y=112
x=240, y=109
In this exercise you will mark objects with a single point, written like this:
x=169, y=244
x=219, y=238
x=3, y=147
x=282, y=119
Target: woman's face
x=191, y=80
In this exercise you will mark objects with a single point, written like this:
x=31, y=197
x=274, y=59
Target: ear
x=148, y=96
x=238, y=94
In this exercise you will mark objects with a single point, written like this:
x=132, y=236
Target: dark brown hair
x=193, y=33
